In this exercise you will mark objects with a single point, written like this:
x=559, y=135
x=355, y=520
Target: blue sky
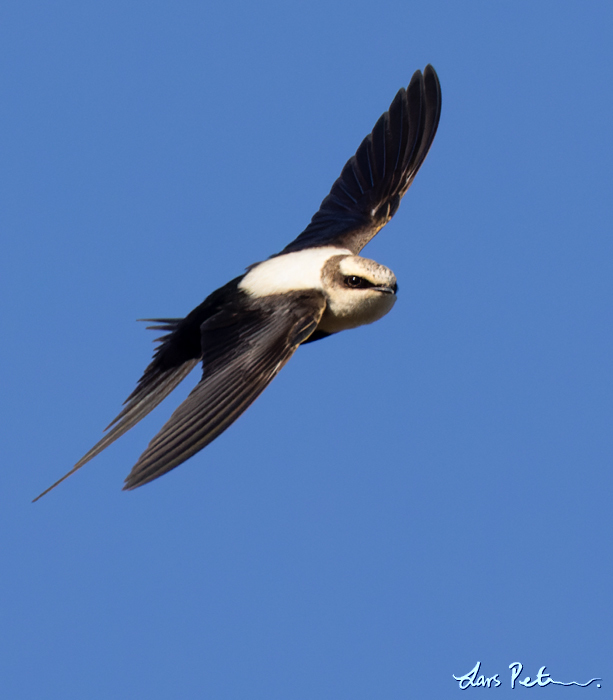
x=405, y=499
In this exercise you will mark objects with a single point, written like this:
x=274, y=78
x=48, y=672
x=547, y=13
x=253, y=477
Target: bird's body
x=244, y=332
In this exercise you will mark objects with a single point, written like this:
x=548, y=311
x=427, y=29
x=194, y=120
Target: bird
x=244, y=332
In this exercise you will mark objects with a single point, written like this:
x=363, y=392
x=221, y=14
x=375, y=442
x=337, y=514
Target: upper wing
x=374, y=180
x=242, y=352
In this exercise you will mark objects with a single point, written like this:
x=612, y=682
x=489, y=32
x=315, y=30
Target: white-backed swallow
x=244, y=332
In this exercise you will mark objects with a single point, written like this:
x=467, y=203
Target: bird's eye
x=357, y=282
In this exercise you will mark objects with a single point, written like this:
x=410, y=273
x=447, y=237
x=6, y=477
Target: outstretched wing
x=178, y=353
x=374, y=180
x=243, y=351
x=136, y=409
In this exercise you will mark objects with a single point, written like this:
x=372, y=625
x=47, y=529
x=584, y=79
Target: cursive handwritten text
x=473, y=679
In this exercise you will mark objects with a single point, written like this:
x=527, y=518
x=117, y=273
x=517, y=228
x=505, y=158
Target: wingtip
x=135, y=479
x=131, y=483
x=433, y=85
x=429, y=77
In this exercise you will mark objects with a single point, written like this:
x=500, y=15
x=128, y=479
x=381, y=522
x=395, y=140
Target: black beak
x=386, y=290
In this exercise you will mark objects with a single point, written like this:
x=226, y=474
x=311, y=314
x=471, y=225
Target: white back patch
x=289, y=272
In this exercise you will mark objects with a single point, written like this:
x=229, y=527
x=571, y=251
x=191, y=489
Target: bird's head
x=358, y=291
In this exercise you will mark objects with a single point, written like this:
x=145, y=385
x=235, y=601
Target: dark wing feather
x=178, y=353
x=372, y=183
x=153, y=387
x=242, y=353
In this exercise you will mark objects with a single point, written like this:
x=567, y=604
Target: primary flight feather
x=244, y=332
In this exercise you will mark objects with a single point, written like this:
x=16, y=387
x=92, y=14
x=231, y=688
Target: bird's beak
x=385, y=290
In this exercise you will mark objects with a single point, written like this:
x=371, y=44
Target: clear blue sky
x=405, y=499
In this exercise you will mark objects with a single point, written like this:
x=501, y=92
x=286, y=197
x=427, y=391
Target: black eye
x=356, y=282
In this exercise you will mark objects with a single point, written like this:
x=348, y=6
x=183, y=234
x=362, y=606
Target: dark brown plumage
x=243, y=336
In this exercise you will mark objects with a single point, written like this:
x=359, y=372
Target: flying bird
x=244, y=332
